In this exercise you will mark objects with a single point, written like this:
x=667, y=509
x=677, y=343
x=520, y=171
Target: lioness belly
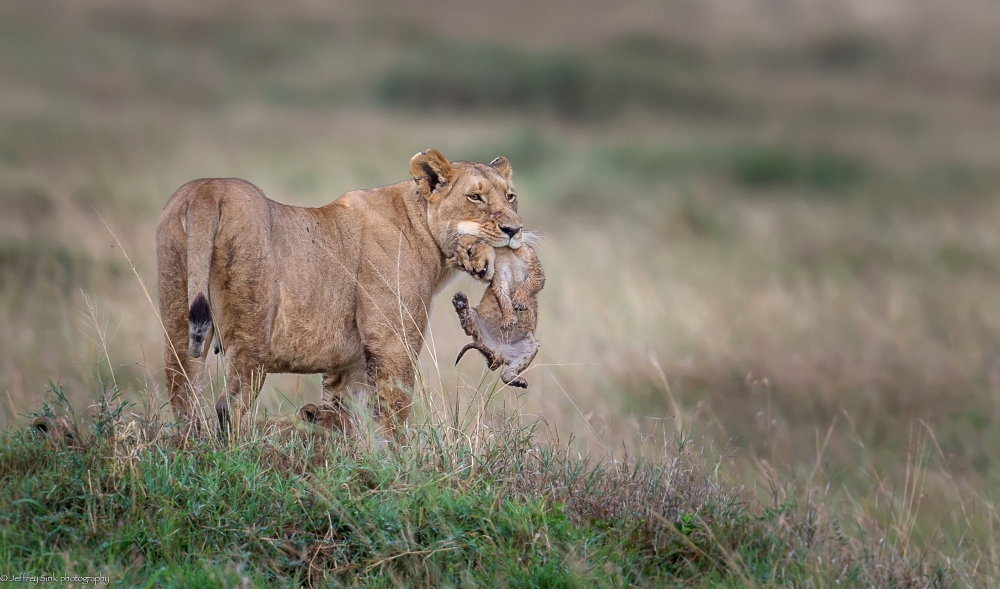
x=320, y=343
x=314, y=328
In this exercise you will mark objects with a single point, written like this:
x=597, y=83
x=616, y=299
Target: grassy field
x=770, y=232
x=477, y=497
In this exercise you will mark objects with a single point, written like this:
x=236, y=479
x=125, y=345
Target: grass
x=567, y=85
x=481, y=496
x=755, y=167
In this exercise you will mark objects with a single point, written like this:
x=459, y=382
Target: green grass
x=473, y=502
x=752, y=167
x=567, y=84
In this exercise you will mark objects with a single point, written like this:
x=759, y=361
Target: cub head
x=468, y=198
x=474, y=256
x=325, y=418
x=58, y=430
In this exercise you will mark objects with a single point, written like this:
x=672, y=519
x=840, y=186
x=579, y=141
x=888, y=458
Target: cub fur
x=343, y=290
x=59, y=431
x=503, y=325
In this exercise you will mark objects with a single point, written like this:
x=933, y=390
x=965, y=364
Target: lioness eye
x=511, y=197
x=474, y=197
x=469, y=252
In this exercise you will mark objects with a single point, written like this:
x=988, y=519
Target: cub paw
x=508, y=323
x=460, y=301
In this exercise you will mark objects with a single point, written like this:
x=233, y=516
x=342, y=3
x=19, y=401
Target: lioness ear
x=501, y=165
x=431, y=170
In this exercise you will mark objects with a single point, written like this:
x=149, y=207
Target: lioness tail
x=202, y=221
x=199, y=320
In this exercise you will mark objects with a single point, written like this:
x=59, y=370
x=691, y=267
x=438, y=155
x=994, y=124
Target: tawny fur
x=59, y=431
x=503, y=325
x=343, y=290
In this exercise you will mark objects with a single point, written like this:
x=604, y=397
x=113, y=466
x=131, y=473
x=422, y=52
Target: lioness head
x=468, y=198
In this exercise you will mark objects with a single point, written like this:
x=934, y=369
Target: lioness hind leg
x=182, y=378
x=181, y=372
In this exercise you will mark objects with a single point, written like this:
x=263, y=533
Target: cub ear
x=309, y=412
x=431, y=171
x=501, y=165
x=41, y=425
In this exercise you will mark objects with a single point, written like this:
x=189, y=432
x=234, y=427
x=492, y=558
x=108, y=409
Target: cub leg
x=511, y=372
x=524, y=295
x=508, y=317
x=469, y=319
x=465, y=314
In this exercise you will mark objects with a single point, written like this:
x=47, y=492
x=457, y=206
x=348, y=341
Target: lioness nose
x=510, y=231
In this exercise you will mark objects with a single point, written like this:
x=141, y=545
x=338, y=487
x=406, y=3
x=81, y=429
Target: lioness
x=343, y=290
x=503, y=325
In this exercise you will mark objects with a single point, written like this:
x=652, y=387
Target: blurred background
x=776, y=218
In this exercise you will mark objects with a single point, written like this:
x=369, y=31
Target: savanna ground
x=771, y=240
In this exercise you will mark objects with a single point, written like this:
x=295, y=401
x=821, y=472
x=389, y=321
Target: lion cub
x=503, y=325
x=59, y=431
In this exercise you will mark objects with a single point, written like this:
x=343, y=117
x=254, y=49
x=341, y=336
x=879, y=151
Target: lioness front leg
x=391, y=375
